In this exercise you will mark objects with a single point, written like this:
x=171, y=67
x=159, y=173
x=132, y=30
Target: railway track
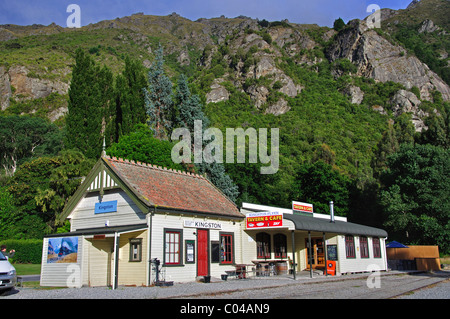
x=390, y=287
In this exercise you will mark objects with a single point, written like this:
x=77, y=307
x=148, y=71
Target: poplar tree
x=91, y=114
x=129, y=97
x=81, y=104
x=104, y=90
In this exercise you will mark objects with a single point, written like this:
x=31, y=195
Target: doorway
x=317, y=253
x=101, y=262
x=202, y=252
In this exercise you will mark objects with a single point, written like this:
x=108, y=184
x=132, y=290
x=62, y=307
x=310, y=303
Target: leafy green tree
x=16, y=224
x=438, y=132
x=140, y=145
x=318, y=184
x=23, y=137
x=415, y=197
x=385, y=147
x=64, y=180
x=42, y=186
x=404, y=129
x=158, y=97
x=8, y=214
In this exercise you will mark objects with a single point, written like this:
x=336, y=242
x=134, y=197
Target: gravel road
x=391, y=284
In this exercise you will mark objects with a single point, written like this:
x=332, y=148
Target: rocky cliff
x=383, y=61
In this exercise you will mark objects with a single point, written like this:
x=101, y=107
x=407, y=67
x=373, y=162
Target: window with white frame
x=135, y=249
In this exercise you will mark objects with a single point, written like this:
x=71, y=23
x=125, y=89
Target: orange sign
x=302, y=207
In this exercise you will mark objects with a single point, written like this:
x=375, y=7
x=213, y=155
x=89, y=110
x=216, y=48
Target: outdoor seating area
x=258, y=268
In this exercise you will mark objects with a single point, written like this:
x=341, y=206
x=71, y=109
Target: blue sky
x=322, y=12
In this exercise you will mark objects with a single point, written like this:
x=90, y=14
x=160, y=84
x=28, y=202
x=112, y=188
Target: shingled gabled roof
x=166, y=189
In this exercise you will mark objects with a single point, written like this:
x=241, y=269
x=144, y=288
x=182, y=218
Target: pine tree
x=190, y=110
x=189, y=106
x=158, y=98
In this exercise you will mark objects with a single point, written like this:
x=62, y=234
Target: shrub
x=266, y=37
x=28, y=251
x=218, y=71
x=338, y=24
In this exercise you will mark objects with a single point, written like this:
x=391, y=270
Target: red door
x=202, y=252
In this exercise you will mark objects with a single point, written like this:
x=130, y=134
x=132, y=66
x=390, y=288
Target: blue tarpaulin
x=395, y=244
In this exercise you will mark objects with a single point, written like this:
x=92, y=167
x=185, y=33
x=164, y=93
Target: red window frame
x=350, y=247
x=364, y=247
x=376, y=247
x=226, y=248
x=263, y=248
x=172, y=247
x=280, y=245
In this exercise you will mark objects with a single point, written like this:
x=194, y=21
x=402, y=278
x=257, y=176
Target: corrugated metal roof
x=339, y=227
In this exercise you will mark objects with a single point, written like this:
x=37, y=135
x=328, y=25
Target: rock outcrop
x=5, y=88
x=218, y=93
x=16, y=83
x=428, y=26
x=278, y=108
x=407, y=102
x=377, y=58
x=355, y=93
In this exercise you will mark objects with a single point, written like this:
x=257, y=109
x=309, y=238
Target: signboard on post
x=264, y=220
x=302, y=208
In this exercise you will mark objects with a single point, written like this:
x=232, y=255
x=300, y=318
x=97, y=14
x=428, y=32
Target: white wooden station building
x=126, y=216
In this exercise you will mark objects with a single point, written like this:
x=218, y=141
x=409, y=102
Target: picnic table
x=240, y=271
x=270, y=267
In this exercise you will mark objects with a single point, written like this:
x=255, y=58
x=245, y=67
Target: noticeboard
x=190, y=251
x=332, y=252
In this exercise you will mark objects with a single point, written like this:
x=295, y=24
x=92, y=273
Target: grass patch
x=37, y=285
x=27, y=269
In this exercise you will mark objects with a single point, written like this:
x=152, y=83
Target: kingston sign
x=202, y=224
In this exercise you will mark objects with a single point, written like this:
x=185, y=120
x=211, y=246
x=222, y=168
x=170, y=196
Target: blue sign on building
x=106, y=207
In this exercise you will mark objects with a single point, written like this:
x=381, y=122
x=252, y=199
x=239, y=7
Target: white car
x=8, y=276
